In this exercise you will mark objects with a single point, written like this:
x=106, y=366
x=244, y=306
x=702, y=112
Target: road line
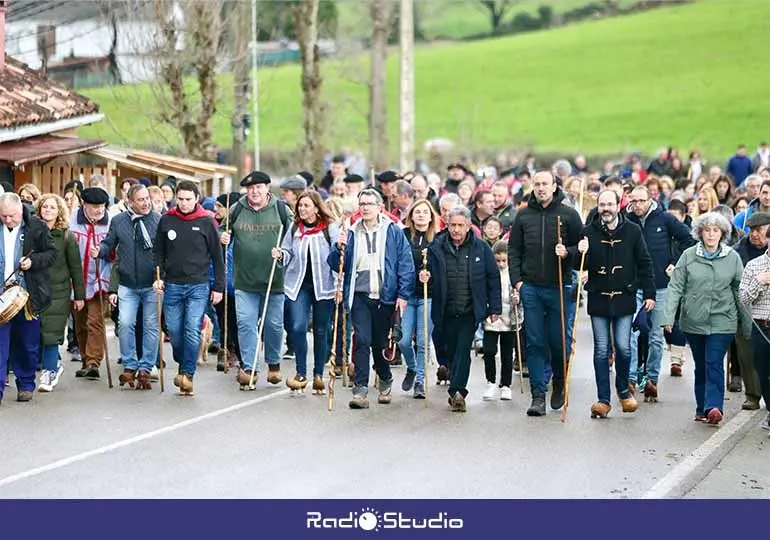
x=138, y=438
x=689, y=472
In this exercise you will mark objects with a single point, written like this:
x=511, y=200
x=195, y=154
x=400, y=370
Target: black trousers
x=458, y=332
x=507, y=342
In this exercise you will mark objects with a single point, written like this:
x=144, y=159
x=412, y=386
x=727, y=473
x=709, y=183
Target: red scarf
x=303, y=231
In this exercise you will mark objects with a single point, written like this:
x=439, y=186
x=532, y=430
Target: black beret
x=307, y=176
x=353, y=179
x=95, y=195
x=460, y=166
x=233, y=196
x=255, y=177
x=757, y=219
x=387, y=177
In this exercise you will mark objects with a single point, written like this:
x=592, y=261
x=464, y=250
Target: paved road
x=85, y=440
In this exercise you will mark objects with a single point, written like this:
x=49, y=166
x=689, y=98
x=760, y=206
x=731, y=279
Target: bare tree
x=381, y=13
x=497, y=9
x=306, y=23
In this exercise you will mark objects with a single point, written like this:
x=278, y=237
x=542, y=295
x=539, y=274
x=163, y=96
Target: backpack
x=283, y=212
x=325, y=233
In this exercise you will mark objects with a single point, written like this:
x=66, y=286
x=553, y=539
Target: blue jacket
x=743, y=216
x=395, y=262
x=484, y=279
x=230, y=288
x=666, y=237
x=739, y=167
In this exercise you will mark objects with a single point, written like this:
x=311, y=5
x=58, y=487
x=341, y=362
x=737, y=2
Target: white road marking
x=138, y=438
x=669, y=484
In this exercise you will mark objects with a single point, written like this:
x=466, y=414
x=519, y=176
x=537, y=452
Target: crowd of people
x=401, y=267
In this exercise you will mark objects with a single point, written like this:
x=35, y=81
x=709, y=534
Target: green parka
x=66, y=278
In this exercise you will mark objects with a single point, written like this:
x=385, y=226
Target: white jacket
x=505, y=323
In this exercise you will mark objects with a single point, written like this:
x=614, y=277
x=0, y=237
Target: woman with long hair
x=309, y=282
x=724, y=188
x=67, y=286
x=422, y=224
x=707, y=200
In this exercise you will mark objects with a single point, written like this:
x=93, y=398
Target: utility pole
x=407, y=85
x=254, y=86
x=241, y=37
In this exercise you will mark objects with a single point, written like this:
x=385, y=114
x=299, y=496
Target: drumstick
x=18, y=267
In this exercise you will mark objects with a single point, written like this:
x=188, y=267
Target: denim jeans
x=216, y=331
x=542, y=313
x=129, y=301
x=184, y=306
x=708, y=354
x=50, y=354
x=656, y=339
x=299, y=315
x=621, y=333
x=248, y=310
x=413, y=323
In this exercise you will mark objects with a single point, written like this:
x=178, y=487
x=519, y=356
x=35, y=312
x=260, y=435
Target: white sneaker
x=45, y=381
x=506, y=394
x=154, y=373
x=490, y=392
x=56, y=375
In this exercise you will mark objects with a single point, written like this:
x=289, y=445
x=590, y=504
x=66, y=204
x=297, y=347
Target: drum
x=12, y=301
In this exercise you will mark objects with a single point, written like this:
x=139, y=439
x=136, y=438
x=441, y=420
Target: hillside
x=690, y=76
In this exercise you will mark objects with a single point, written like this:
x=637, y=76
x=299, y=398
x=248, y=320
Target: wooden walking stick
x=261, y=325
x=227, y=250
x=101, y=314
x=574, y=342
x=561, y=302
x=160, y=335
x=335, y=328
x=426, y=343
x=518, y=345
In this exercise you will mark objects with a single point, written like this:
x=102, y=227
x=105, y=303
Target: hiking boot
x=127, y=377
x=359, y=400
x=244, y=379
x=408, y=380
x=600, y=409
x=24, y=395
x=537, y=407
x=650, y=392
x=385, y=388
x=442, y=375
x=419, y=390
x=318, y=385
x=751, y=404
x=274, y=374
x=92, y=373
x=143, y=381
x=457, y=402
x=714, y=416
x=736, y=384
x=184, y=382
x=629, y=404
x=81, y=373
x=557, y=395
x=632, y=388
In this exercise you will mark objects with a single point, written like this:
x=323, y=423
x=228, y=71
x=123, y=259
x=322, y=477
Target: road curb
x=690, y=472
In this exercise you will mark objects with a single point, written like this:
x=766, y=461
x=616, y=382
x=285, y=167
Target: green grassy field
x=690, y=76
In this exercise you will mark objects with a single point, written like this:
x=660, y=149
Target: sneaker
x=490, y=393
x=24, y=395
x=506, y=394
x=359, y=400
x=537, y=407
x=408, y=380
x=56, y=375
x=419, y=390
x=385, y=392
x=289, y=354
x=154, y=373
x=45, y=381
x=75, y=354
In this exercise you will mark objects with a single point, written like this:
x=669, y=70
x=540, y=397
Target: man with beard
x=536, y=248
x=617, y=263
x=456, y=174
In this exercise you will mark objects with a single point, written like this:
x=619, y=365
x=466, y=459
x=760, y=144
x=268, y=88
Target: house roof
x=28, y=98
x=44, y=147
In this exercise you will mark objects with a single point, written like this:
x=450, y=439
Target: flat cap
x=757, y=219
x=353, y=179
x=295, y=182
x=95, y=195
x=255, y=177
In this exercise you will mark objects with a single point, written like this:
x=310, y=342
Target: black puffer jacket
x=39, y=242
x=532, y=244
x=418, y=243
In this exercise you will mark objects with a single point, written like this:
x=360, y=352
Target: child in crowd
x=492, y=229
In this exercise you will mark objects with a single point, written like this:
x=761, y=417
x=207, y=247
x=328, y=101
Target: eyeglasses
x=368, y=204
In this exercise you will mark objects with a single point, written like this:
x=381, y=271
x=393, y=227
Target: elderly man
x=466, y=290
x=255, y=223
x=402, y=198
x=378, y=279
x=89, y=225
x=291, y=188
x=750, y=247
x=26, y=253
x=754, y=294
x=760, y=203
x=132, y=236
x=536, y=249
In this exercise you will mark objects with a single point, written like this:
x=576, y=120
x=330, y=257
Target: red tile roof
x=27, y=98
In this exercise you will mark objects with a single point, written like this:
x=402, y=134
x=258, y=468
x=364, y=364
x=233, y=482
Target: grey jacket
x=295, y=251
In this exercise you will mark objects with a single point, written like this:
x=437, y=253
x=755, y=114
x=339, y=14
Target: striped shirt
x=753, y=294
